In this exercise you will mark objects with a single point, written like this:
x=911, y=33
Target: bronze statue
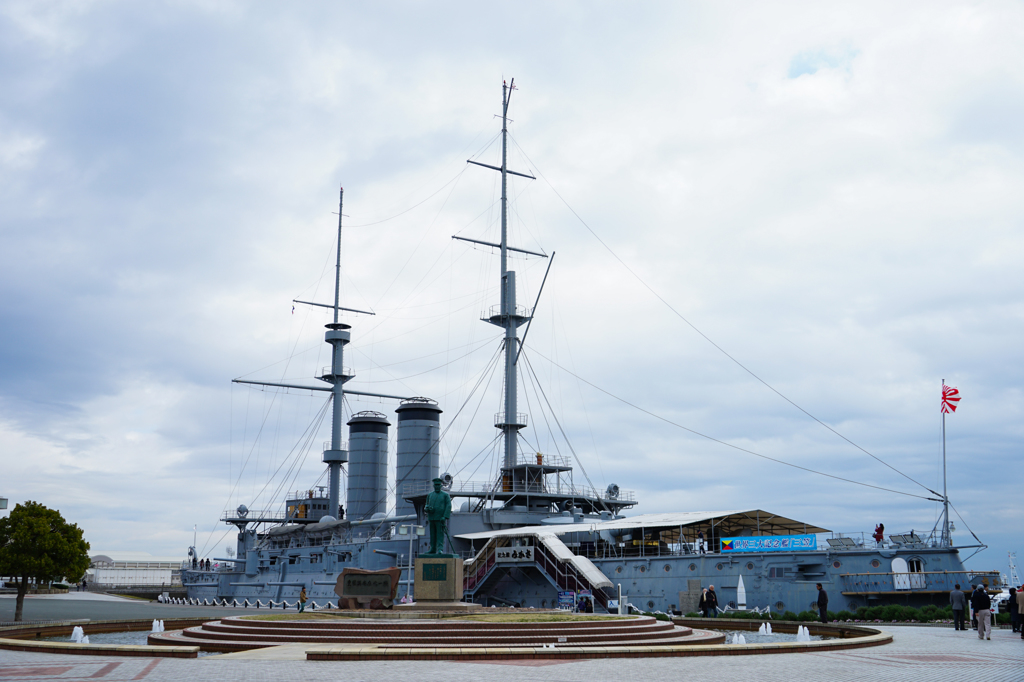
x=439, y=510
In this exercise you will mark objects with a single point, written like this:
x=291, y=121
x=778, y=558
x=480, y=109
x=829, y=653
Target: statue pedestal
x=438, y=585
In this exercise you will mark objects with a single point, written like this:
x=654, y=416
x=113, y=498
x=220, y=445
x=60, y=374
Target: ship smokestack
x=419, y=459
x=368, y=465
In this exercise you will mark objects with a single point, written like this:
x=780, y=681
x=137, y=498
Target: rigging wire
x=725, y=443
x=559, y=424
x=420, y=203
x=705, y=336
x=426, y=371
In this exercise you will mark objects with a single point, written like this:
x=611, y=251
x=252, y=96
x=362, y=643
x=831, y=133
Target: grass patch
x=300, y=616
x=531, y=618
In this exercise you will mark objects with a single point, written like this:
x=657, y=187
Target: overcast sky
x=830, y=193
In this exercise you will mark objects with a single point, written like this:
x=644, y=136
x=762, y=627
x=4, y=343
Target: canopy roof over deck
x=725, y=524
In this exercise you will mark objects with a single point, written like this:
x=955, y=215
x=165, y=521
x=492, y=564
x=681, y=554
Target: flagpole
x=945, y=496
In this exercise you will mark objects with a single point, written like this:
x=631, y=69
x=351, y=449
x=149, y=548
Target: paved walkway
x=98, y=606
x=917, y=653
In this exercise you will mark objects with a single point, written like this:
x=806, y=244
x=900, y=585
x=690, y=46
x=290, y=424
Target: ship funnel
x=368, y=465
x=419, y=460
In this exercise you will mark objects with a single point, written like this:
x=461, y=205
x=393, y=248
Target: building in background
x=126, y=569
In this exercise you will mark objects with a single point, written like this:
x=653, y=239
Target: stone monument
x=358, y=588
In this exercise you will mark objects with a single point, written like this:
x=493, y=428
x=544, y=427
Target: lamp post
x=412, y=531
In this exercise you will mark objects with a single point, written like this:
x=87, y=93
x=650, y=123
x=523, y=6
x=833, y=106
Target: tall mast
x=337, y=263
x=337, y=335
x=508, y=316
x=946, y=540
x=510, y=427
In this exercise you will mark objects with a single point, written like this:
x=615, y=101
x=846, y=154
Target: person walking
x=702, y=604
x=822, y=603
x=1011, y=606
x=1020, y=610
x=959, y=603
x=982, y=606
x=712, y=601
x=302, y=599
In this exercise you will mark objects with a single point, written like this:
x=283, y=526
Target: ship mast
x=337, y=335
x=510, y=424
x=508, y=315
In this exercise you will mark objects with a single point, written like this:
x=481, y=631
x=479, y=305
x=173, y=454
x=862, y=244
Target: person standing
x=959, y=603
x=1020, y=609
x=982, y=606
x=1011, y=606
x=302, y=599
x=700, y=541
x=822, y=603
x=879, y=533
x=703, y=603
x=712, y=601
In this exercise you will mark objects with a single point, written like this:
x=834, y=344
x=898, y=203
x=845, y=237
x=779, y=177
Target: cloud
x=828, y=194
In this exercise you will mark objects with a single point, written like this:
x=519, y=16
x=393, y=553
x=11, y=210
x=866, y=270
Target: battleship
x=535, y=536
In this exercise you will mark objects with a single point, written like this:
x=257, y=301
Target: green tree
x=37, y=543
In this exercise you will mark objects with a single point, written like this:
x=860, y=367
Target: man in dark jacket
x=822, y=603
x=959, y=603
x=982, y=606
x=712, y=601
x=1011, y=606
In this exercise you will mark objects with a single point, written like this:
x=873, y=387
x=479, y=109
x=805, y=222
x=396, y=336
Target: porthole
x=667, y=568
x=618, y=569
x=719, y=567
x=643, y=569
x=650, y=605
x=875, y=563
x=779, y=605
x=813, y=606
x=853, y=606
x=750, y=565
x=543, y=603
x=732, y=605
x=836, y=564
x=693, y=567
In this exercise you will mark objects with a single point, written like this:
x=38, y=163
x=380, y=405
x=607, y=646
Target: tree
x=37, y=543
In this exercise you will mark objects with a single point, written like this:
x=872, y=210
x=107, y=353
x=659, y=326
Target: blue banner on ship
x=770, y=543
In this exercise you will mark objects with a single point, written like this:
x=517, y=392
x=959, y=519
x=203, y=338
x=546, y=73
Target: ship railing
x=517, y=419
x=917, y=581
x=543, y=459
x=253, y=514
x=495, y=311
x=863, y=539
x=484, y=488
x=329, y=372
x=307, y=494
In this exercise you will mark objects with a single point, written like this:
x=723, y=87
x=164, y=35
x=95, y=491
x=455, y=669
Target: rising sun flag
x=950, y=397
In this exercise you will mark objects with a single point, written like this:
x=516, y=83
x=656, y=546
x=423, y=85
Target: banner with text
x=770, y=543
